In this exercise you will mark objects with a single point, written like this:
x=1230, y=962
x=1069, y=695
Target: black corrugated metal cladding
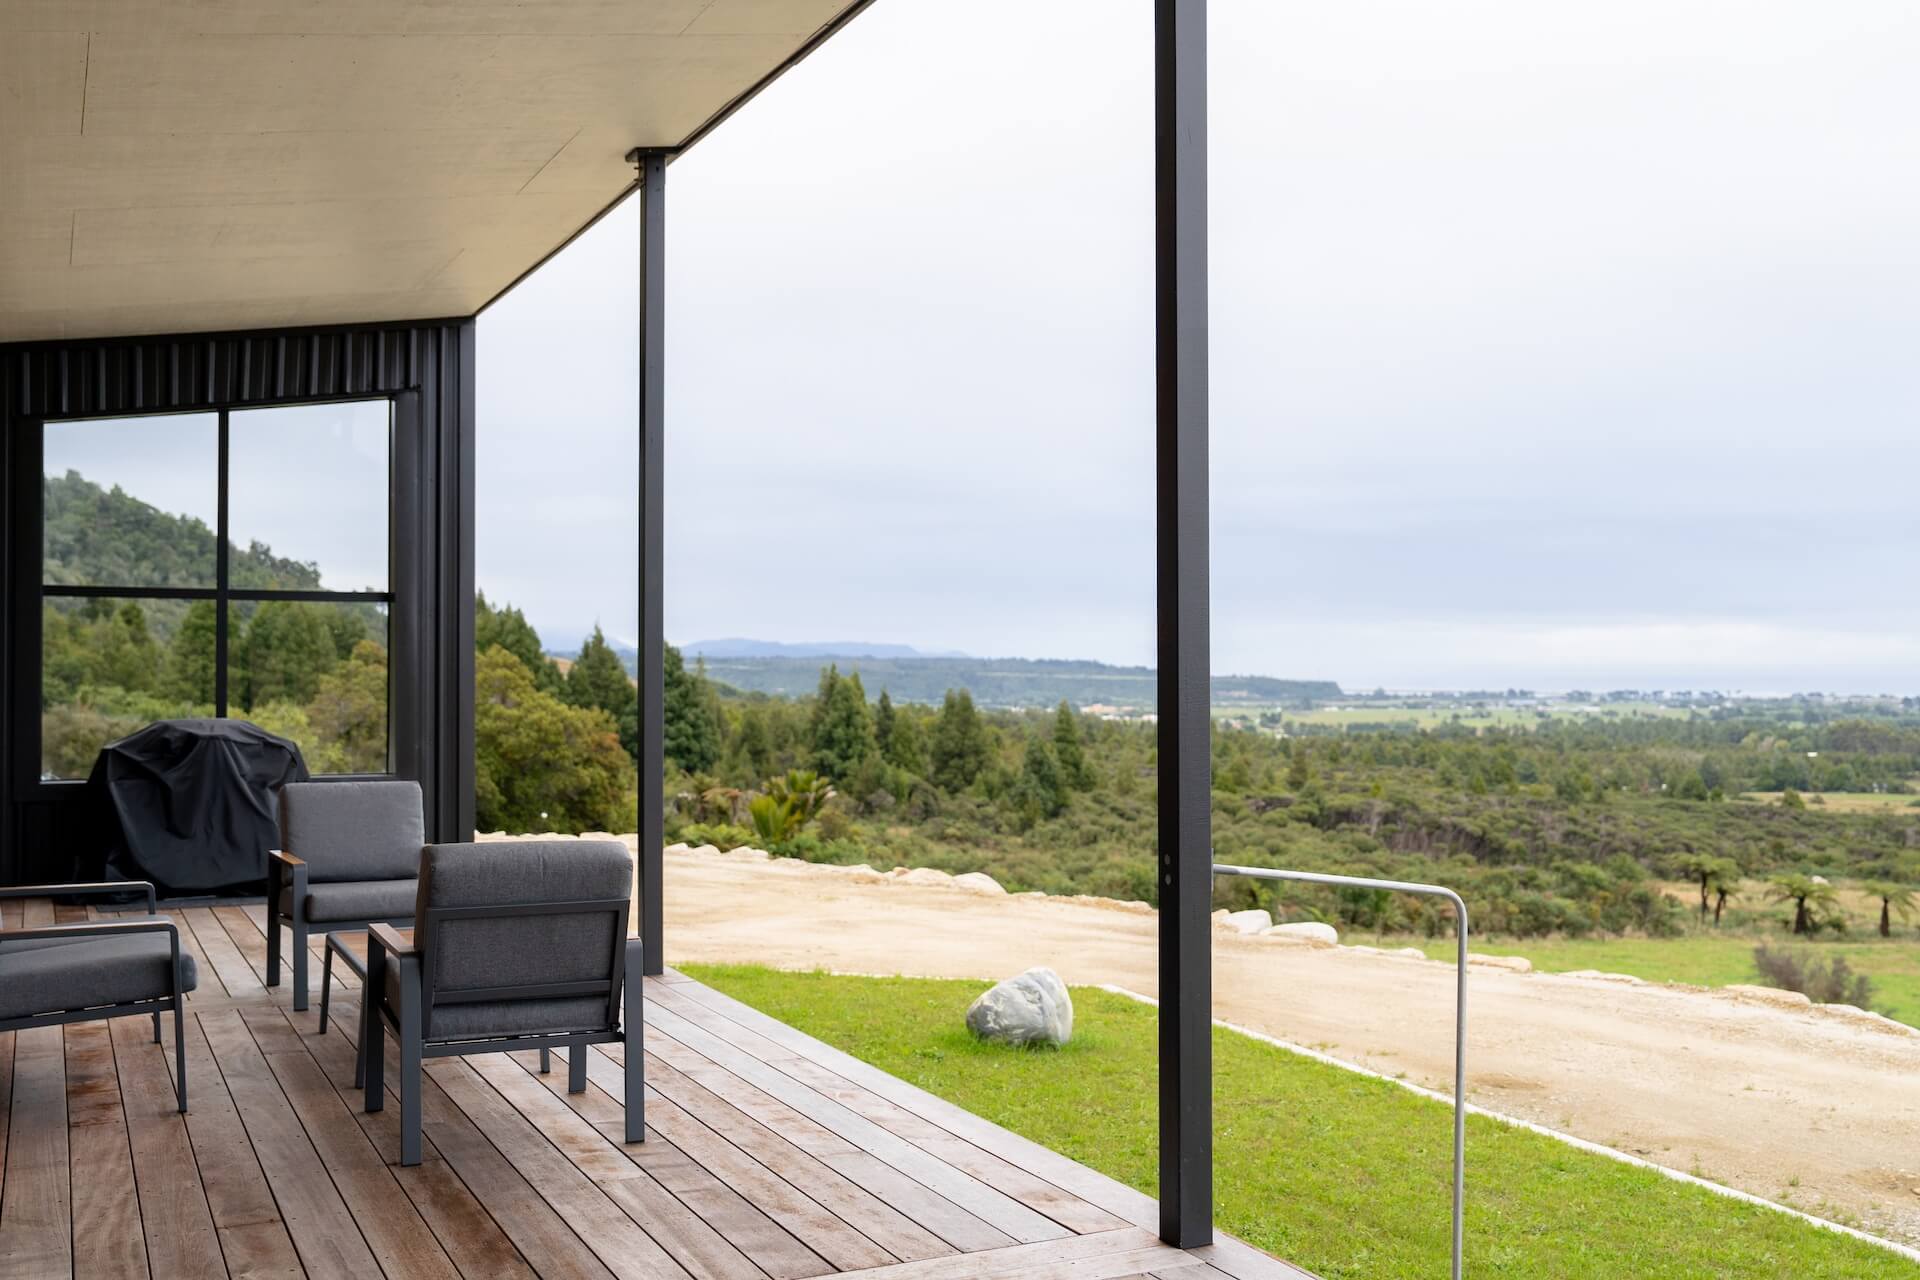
x=426, y=366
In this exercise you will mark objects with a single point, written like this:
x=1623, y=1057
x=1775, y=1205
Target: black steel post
x=1185, y=768
x=652, y=670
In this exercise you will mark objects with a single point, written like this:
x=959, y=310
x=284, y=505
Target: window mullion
x=221, y=583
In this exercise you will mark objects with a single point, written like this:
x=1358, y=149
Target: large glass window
x=219, y=564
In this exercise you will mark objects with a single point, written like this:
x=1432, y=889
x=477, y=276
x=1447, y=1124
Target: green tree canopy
x=843, y=735
x=543, y=765
x=1072, y=757
x=694, y=723
x=507, y=627
x=598, y=679
x=287, y=650
x=959, y=742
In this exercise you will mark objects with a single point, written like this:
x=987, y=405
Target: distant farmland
x=1003, y=682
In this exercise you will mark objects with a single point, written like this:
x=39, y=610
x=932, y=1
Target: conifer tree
x=843, y=736
x=599, y=679
x=883, y=723
x=1074, y=771
x=959, y=742
x=692, y=714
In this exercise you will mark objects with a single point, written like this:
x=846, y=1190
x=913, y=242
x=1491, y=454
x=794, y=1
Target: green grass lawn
x=1342, y=1174
x=1708, y=961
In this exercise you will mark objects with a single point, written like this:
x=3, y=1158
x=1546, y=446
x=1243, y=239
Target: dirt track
x=1739, y=1091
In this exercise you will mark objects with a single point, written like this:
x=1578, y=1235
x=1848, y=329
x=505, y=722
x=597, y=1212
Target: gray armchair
x=516, y=946
x=349, y=855
x=96, y=969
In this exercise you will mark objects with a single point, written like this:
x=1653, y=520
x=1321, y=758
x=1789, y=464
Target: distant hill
x=1000, y=682
x=96, y=535
x=735, y=647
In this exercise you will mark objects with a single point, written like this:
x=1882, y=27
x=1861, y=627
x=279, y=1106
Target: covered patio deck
x=768, y=1153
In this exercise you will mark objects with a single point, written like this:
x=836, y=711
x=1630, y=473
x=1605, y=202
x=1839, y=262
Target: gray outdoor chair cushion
x=49, y=975
x=517, y=950
x=353, y=830
x=360, y=900
x=484, y=1018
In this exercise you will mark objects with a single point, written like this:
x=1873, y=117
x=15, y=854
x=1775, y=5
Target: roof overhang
x=186, y=166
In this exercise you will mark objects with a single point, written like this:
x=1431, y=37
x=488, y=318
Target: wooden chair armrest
x=390, y=940
x=285, y=859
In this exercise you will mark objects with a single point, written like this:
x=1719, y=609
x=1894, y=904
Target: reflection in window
x=316, y=674
x=111, y=665
x=328, y=530
x=132, y=502
x=137, y=623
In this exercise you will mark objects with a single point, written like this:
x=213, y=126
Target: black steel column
x=1185, y=771
x=653, y=525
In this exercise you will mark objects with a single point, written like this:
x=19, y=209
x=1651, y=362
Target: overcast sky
x=1552, y=345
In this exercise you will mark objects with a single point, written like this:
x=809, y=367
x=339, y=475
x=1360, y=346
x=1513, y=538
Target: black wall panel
x=426, y=366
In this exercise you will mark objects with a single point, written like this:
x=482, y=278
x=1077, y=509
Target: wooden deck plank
x=401, y=1241
x=621, y=1246
x=469, y=1234
x=323, y=1230
x=889, y=1222
x=770, y=1156
x=574, y=1123
x=1106, y=1255
x=36, y=1220
x=538, y=1231
x=1235, y=1257
x=234, y=1202
x=248, y=941
x=1037, y=1193
x=994, y=1207
x=100, y=1157
x=222, y=958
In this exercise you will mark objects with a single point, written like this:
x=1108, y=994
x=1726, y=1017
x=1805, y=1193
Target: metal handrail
x=1459, y=1010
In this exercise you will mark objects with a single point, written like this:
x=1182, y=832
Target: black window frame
x=222, y=593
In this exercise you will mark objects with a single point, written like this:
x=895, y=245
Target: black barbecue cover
x=192, y=805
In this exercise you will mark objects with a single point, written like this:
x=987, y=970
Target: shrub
x=1825, y=981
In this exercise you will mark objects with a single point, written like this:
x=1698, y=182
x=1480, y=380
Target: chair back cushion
x=525, y=949
x=353, y=830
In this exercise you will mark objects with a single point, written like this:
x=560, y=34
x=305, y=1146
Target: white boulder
x=1254, y=921
x=1323, y=935
x=979, y=882
x=1032, y=1008
x=1514, y=964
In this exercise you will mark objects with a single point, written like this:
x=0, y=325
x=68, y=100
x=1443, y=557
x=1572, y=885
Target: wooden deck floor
x=768, y=1154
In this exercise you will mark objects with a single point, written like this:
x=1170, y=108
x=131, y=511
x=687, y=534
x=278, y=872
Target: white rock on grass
x=1412, y=953
x=921, y=875
x=979, y=882
x=1321, y=935
x=1514, y=964
x=1031, y=1008
x=1254, y=921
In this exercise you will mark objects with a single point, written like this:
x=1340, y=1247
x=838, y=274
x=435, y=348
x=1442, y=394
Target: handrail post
x=1459, y=1013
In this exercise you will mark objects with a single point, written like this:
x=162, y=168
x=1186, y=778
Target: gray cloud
x=1550, y=347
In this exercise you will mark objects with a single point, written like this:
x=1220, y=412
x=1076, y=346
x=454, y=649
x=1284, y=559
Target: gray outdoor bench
x=96, y=969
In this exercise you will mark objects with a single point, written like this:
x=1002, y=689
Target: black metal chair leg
x=156, y=1028
x=273, y=926
x=300, y=959
x=633, y=1027
x=577, y=1068
x=179, y=1048
x=326, y=987
x=546, y=1060
x=410, y=1082
x=371, y=1072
